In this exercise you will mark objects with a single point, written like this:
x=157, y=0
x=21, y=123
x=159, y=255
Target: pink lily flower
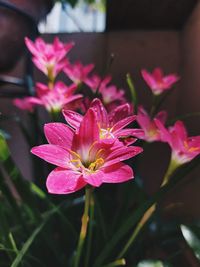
x=151, y=132
x=158, y=82
x=81, y=158
x=110, y=95
x=111, y=125
x=24, y=103
x=49, y=58
x=77, y=72
x=56, y=98
x=184, y=148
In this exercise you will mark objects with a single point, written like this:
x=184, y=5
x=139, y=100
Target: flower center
x=90, y=166
x=96, y=165
x=106, y=133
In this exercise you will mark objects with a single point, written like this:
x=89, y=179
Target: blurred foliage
x=99, y=4
x=192, y=237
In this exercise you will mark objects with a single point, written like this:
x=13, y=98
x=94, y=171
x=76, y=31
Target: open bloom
x=77, y=72
x=82, y=158
x=56, y=98
x=148, y=125
x=49, y=58
x=24, y=103
x=158, y=82
x=111, y=125
x=184, y=148
x=111, y=96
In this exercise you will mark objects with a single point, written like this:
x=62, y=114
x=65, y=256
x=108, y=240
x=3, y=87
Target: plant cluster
x=92, y=139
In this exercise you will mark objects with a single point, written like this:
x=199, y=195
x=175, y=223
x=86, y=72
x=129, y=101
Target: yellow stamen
x=95, y=165
x=190, y=149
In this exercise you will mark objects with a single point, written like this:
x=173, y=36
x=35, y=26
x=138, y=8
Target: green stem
x=171, y=168
x=120, y=262
x=90, y=228
x=147, y=215
x=154, y=105
x=138, y=228
x=84, y=226
x=133, y=91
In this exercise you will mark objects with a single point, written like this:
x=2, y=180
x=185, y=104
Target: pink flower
x=49, y=58
x=82, y=158
x=184, y=148
x=148, y=125
x=24, y=103
x=110, y=95
x=111, y=126
x=158, y=82
x=77, y=72
x=56, y=98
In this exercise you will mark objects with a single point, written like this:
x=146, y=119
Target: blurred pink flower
x=24, y=103
x=82, y=158
x=111, y=96
x=49, y=58
x=151, y=132
x=77, y=72
x=184, y=148
x=56, y=98
x=111, y=125
x=158, y=82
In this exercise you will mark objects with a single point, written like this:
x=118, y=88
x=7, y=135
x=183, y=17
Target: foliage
x=88, y=139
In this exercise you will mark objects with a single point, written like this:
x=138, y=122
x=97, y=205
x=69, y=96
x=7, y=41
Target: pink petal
x=88, y=131
x=72, y=118
x=122, y=123
x=117, y=173
x=149, y=79
x=94, y=179
x=164, y=133
x=59, y=134
x=180, y=130
x=158, y=74
x=119, y=113
x=63, y=181
x=143, y=118
x=162, y=116
x=52, y=154
x=170, y=79
x=102, y=116
x=31, y=46
x=121, y=154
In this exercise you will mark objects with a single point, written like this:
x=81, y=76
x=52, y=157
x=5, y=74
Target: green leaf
x=133, y=91
x=5, y=134
x=4, y=150
x=152, y=263
x=30, y=240
x=192, y=238
x=27, y=245
x=130, y=222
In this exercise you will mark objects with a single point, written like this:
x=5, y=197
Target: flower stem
x=136, y=231
x=147, y=215
x=171, y=168
x=84, y=226
x=89, y=240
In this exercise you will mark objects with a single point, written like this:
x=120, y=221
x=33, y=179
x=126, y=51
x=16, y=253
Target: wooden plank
x=148, y=14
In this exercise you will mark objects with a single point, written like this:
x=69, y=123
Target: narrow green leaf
x=27, y=245
x=120, y=262
x=134, y=218
x=4, y=150
x=133, y=91
x=192, y=239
